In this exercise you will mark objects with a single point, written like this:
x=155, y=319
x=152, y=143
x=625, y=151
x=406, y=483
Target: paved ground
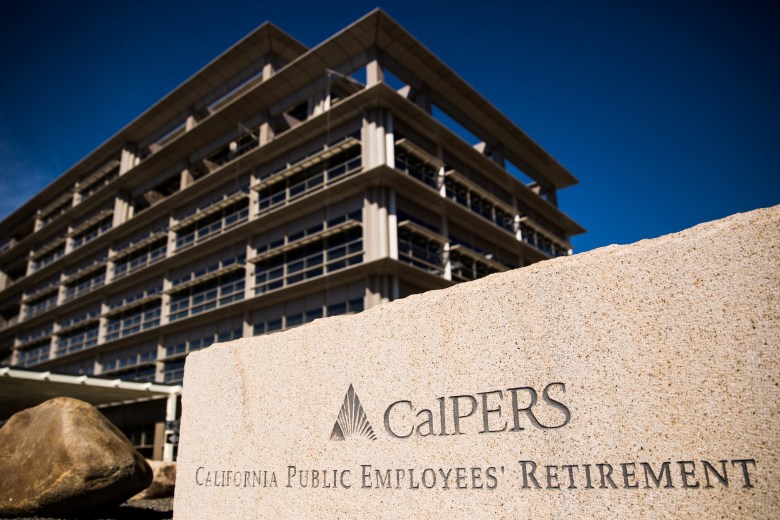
x=157, y=509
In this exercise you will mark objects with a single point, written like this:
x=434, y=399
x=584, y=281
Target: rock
x=163, y=481
x=63, y=457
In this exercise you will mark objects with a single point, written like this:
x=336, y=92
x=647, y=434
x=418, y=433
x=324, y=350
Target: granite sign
x=628, y=381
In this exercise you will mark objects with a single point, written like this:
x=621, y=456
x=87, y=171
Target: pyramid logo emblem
x=352, y=420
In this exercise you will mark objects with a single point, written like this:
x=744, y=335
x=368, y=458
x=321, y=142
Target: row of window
x=41, y=305
x=173, y=371
x=128, y=358
x=311, y=260
x=131, y=361
x=294, y=319
x=80, y=339
x=132, y=321
x=92, y=232
x=215, y=266
x=427, y=253
x=44, y=260
x=85, y=285
x=479, y=204
x=314, y=177
x=34, y=355
x=212, y=293
x=540, y=241
x=83, y=317
x=212, y=224
x=475, y=201
x=141, y=258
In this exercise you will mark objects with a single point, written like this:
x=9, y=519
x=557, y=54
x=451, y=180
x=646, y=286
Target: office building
x=276, y=186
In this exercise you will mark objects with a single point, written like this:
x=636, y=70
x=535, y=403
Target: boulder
x=163, y=481
x=63, y=457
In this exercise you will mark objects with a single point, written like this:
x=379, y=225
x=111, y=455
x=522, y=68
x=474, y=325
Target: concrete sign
x=629, y=381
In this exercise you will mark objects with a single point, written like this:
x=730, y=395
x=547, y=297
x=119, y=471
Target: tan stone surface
x=668, y=350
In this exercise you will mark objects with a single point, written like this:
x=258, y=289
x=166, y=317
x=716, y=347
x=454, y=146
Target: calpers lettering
x=403, y=419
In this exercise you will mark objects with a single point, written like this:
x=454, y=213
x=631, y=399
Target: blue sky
x=667, y=112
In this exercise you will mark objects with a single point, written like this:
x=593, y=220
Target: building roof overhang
x=375, y=32
x=22, y=389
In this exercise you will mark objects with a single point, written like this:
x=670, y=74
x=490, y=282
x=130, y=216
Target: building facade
x=276, y=186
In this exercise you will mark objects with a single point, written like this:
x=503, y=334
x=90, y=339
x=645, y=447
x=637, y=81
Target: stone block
x=630, y=381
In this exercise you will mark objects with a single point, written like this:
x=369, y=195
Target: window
x=212, y=223
x=311, y=260
x=141, y=258
x=311, y=178
x=40, y=305
x=348, y=307
x=45, y=259
x=132, y=321
x=212, y=293
x=79, y=339
x=92, y=232
x=34, y=355
x=173, y=372
x=84, y=285
x=420, y=251
x=415, y=167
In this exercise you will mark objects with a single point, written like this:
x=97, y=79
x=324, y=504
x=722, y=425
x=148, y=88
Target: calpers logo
x=494, y=411
x=352, y=420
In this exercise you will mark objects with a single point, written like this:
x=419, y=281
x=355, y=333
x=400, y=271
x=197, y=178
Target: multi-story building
x=276, y=186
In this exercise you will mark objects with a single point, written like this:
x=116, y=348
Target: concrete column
x=319, y=103
x=30, y=264
x=159, y=365
x=254, y=197
x=247, y=326
x=445, y=231
x=392, y=224
x=374, y=72
x=61, y=290
x=373, y=137
x=190, y=122
x=122, y=208
x=170, y=250
x=266, y=132
x=103, y=324
x=170, y=415
x=440, y=175
x=268, y=70
x=165, y=304
x=53, y=341
x=76, y=195
x=128, y=159
x=375, y=224
x=249, y=276
x=186, y=178
x=377, y=290
x=389, y=140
